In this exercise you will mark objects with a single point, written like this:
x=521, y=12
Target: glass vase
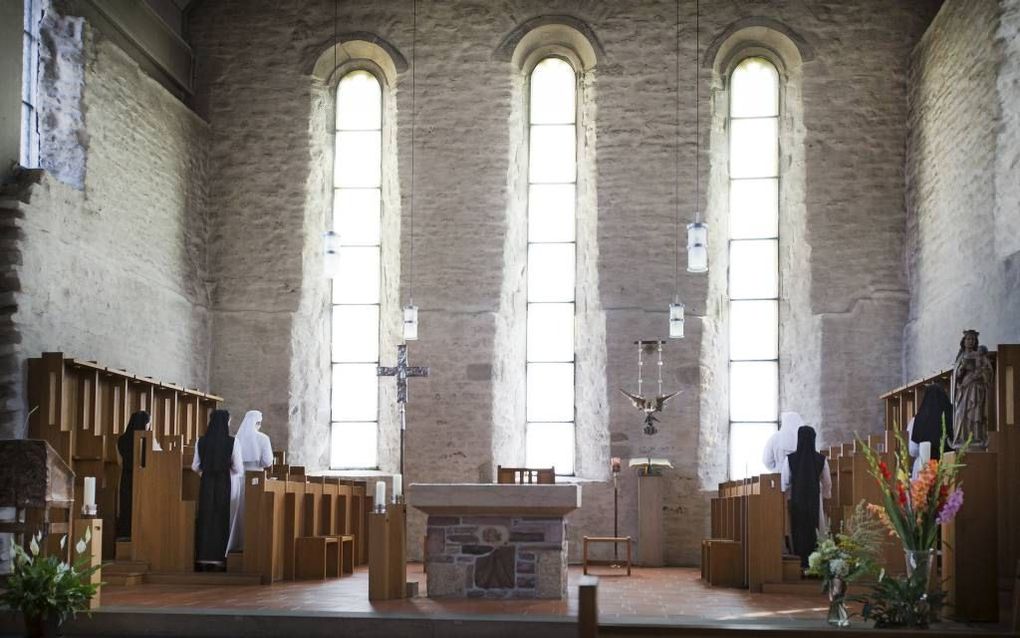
x=920, y=565
x=838, y=614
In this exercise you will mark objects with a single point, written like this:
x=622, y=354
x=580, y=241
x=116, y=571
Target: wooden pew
x=83, y=406
x=747, y=521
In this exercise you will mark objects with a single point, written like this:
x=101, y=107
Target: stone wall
x=496, y=557
x=963, y=196
x=107, y=261
x=269, y=192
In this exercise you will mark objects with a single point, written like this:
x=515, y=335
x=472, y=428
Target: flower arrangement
x=45, y=587
x=849, y=554
x=913, y=509
x=845, y=557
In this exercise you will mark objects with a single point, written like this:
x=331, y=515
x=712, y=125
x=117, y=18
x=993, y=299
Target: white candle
x=380, y=494
x=90, y=491
x=398, y=486
x=924, y=451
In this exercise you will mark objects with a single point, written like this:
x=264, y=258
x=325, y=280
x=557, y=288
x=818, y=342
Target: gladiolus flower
x=953, y=504
x=902, y=493
x=920, y=488
x=884, y=469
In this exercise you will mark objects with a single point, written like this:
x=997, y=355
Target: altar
x=495, y=540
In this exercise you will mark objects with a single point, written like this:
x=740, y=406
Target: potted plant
x=844, y=557
x=912, y=510
x=46, y=589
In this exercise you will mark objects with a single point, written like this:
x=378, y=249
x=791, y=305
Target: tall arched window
x=551, y=270
x=753, y=287
x=357, y=214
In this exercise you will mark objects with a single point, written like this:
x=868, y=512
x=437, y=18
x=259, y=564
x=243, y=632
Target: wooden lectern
x=38, y=484
x=387, y=553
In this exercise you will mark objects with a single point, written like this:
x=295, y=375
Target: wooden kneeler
x=321, y=557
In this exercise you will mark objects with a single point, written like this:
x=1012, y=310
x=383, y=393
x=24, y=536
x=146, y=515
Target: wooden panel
x=162, y=523
x=766, y=512
x=650, y=541
x=387, y=565
x=970, y=549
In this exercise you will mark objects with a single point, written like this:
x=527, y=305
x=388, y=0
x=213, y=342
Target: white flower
x=80, y=547
x=839, y=567
x=34, y=546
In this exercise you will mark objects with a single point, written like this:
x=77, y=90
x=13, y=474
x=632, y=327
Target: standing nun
x=926, y=426
x=138, y=422
x=782, y=442
x=256, y=454
x=217, y=459
x=806, y=481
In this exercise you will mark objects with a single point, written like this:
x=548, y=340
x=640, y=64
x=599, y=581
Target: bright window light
x=753, y=262
x=552, y=266
x=357, y=220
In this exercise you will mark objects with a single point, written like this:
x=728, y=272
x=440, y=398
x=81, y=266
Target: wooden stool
x=605, y=539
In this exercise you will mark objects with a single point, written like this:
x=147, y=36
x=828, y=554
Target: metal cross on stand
x=402, y=372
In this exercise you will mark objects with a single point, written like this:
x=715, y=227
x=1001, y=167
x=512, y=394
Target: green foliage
x=43, y=586
x=902, y=602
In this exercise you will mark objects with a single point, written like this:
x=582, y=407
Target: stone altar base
x=496, y=557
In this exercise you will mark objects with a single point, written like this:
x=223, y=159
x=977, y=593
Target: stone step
x=123, y=551
x=201, y=578
x=125, y=567
x=124, y=580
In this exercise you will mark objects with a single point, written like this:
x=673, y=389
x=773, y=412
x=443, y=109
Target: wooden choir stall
x=982, y=545
x=296, y=526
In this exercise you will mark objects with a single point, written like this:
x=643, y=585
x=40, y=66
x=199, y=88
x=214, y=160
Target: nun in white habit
x=257, y=454
x=782, y=442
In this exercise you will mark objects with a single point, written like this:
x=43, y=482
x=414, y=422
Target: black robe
x=935, y=406
x=212, y=528
x=805, y=490
x=126, y=448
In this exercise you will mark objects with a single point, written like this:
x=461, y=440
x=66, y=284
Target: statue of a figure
x=972, y=379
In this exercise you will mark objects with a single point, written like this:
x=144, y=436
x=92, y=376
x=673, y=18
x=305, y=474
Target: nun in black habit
x=216, y=460
x=926, y=426
x=138, y=422
x=806, y=481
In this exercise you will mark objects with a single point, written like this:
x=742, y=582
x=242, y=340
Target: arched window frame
x=344, y=440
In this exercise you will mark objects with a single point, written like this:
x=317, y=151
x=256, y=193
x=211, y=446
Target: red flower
x=886, y=474
x=943, y=495
x=902, y=493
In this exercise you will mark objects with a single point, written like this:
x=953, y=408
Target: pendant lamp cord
x=697, y=113
x=414, y=68
x=676, y=168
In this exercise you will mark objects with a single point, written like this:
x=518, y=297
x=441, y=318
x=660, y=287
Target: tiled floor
x=649, y=593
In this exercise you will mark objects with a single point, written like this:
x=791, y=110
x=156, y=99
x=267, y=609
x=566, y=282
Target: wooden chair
x=525, y=475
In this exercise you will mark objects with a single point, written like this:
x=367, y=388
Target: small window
x=29, y=85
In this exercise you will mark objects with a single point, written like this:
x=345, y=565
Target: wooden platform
x=653, y=602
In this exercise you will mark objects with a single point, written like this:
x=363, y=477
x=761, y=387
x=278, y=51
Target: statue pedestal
x=650, y=547
x=970, y=543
